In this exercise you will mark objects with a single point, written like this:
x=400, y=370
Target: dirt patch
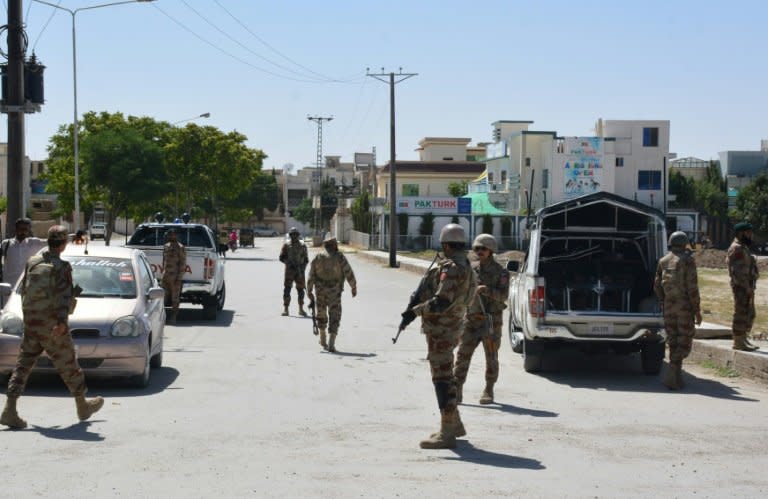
x=715, y=259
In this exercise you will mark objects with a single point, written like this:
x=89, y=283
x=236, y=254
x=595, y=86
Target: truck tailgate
x=199, y=266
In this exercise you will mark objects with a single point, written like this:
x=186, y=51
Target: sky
x=262, y=67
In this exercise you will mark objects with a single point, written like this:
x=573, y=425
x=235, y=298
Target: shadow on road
x=513, y=409
x=350, y=354
x=193, y=317
x=77, y=431
x=50, y=385
x=467, y=452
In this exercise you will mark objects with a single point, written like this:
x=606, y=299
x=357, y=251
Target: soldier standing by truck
x=742, y=267
x=677, y=288
x=484, y=317
x=294, y=257
x=174, y=265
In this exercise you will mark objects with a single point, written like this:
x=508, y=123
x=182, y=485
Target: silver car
x=118, y=323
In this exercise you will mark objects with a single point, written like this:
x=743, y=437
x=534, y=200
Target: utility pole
x=15, y=103
x=317, y=202
x=392, y=79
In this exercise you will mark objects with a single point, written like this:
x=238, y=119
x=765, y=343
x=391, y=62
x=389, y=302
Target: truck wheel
x=652, y=357
x=210, y=307
x=533, y=355
x=221, y=296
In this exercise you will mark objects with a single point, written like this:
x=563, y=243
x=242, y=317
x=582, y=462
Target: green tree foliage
x=458, y=189
x=3, y=204
x=123, y=167
x=708, y=196
x=305, y=214
x=752, y=204
x=427, y=226
x=402, y=224
x=361, y=216
x=487, y=224
x=683, y=188
x=506, y=227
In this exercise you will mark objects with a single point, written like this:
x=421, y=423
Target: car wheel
x=533, y=355
x=142, y=380
x=221, y=296
x=156, y=362
x=652, y=357
x=210, y=307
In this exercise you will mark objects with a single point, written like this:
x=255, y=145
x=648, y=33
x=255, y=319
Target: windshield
x=103, y=277
x=194, y=237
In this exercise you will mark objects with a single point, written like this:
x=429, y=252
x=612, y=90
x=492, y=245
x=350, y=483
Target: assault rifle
x=409, y=315
x=315, y=329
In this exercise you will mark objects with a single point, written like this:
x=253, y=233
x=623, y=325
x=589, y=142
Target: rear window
x=103, y=277
x=194, y=237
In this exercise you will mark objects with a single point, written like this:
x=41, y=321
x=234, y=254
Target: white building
x=625, y=157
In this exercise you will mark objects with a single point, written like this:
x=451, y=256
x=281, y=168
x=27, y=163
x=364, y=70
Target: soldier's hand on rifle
x=354, y=292
x=408, y=317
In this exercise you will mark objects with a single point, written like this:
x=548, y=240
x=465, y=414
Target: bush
x=427, y=226
x=487, y=224
x=402, y=224
x=506, y=227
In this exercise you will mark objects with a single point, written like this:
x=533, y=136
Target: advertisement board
x=583, y=166
x=420, y=205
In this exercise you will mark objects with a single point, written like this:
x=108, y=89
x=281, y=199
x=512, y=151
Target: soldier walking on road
x=442, y=304
x=742, y=267
x=294, y=256
x=47, y=300
x=677, y=288
x=327, y=273
x=174, y=265
x=491, y=299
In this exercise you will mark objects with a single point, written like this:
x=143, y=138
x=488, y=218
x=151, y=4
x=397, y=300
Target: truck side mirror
x=513, y=266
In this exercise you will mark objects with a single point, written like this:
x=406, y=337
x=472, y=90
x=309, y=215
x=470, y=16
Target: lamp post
x=75, y=144
x=204, y=115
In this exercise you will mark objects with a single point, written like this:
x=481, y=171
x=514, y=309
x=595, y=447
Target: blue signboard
x=465, y=206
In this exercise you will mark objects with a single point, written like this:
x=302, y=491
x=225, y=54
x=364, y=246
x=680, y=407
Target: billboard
x=419, y=205
x=583, y=166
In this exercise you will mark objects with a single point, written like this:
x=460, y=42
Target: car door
x=154, y=309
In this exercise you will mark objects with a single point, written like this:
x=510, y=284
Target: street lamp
x=204, y=115
x=75, y=145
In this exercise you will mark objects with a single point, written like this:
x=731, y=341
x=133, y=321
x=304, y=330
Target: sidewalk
x=711, y=346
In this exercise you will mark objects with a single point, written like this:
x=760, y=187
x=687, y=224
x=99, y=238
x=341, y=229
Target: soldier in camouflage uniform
x=47, y=300
x=491, y=299
x=442, y=305
x=742, y=267
x=294, y=256
x=677, y=288
x=327, y=273
x=174, y=265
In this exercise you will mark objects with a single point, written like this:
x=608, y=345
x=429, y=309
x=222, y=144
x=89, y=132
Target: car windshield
x=191, y=237
x=101, y=277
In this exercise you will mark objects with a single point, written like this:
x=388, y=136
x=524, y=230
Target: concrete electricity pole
x=15, y=103
x=317, y=202
x=392, y=79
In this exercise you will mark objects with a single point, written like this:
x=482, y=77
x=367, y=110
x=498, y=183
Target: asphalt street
x=250, y=406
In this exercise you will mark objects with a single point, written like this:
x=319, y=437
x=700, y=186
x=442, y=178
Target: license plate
x=605, y=329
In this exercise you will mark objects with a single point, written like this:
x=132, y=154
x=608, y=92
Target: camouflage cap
x=23, y=221
x=58, y=233
x=742, y=226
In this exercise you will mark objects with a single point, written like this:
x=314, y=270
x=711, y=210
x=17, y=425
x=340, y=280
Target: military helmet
x=329, y=238
x=58, y=233
x=678, y=238
x=293, y=230
x=453, y=233
x=185, y=217
x=485, y=241
x=159, y=217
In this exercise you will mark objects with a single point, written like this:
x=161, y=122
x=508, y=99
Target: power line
x=53, y=13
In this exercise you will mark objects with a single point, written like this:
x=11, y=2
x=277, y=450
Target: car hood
x=93, y=312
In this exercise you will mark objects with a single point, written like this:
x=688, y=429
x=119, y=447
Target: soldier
x=742, y=267
x=327, y=273
x=294, y=256
x=491, y=297
x=174, y=265
x=677, y=288
x=16, y=251
x=442, y=304
x=47, y=300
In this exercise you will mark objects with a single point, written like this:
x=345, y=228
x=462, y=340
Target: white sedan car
x=118, y=323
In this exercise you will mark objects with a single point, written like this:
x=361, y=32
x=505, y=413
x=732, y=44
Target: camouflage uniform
x=294, y=256
x=174, y=265
x=326, y=277
x=742, y=267
x=453, y=282
x=47, y=300
x=496, y=278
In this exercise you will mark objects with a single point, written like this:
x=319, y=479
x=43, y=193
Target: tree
x=304, y=212
x=506, y=227
x=752, y=204
x=487, y=224
x=458, y=189
x=402, y=224
x=122, y=167
x=683, y=188
x=361, y=216
x=427, y=226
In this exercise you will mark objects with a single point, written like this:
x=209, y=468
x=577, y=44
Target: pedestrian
x=742, y=267
x=174, y=265
x=47, y=301
x=677, y=287
x=442, y=305
x=233, y=240
x=223, y=243
x=16, y=251
x=294, y=257
x=327, y=273
x=490, y=301
x=80, y=238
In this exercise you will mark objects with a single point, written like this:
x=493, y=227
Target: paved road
x=250, y=406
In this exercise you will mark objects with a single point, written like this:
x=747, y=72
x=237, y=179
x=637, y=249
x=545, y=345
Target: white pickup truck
x=203, y=282
x=587, y=281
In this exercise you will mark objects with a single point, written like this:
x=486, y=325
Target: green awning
x=481, y=205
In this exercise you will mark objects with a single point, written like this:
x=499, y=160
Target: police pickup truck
x=203, y=282
x=587, y=281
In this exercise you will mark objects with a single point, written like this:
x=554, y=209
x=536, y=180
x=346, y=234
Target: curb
x=409, y=264
x=748, y=364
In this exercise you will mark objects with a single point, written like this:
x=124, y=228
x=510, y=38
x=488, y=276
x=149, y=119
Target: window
x=503, y=176
x=649, y=180
x=147, y=278
x=545, y=179
x=650, y=137
x=410, y=189
x=527, y=161
x=619, y=161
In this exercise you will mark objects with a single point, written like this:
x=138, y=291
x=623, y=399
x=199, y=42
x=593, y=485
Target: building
x=690, y=167
x=740, y=167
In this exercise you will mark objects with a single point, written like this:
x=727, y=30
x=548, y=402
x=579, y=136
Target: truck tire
x=652, y=357
x=221, y=296
x=210, y=308
x=533, y=355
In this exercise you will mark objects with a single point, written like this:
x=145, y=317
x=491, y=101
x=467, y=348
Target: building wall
x=435, y=185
